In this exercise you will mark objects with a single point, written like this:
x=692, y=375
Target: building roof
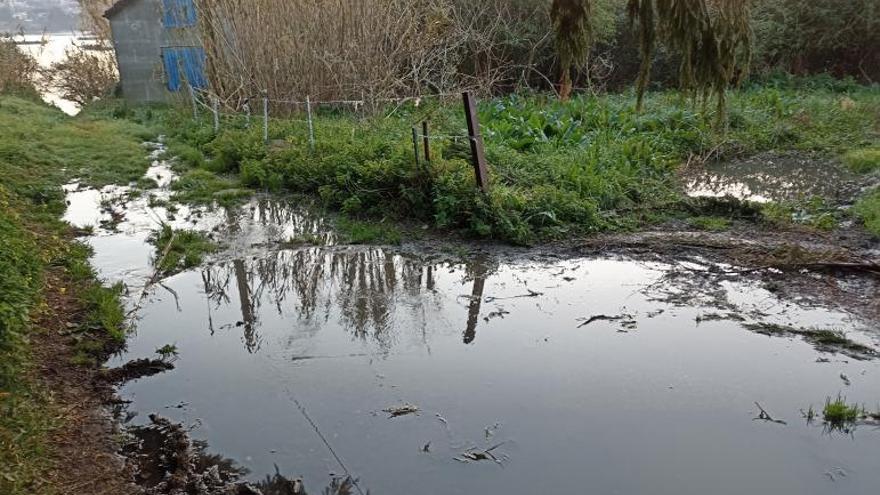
x=116, y=8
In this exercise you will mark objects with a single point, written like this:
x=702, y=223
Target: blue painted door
x=184, y=65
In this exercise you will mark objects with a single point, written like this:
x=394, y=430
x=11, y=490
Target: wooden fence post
x=478, y=154
x=415, y=135
x=426, y=140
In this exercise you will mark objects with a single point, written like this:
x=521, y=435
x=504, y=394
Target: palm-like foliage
x=574, y=35
x=712, y=38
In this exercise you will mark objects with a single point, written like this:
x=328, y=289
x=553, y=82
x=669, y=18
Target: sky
x=36, y=16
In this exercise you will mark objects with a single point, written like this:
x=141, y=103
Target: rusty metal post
x=426, y=140
x=478, y=154
x=415, y=136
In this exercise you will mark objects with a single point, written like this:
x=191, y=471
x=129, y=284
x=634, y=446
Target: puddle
x=412, y=373
x=492, y=352
x=768, y=178
x=122, y=220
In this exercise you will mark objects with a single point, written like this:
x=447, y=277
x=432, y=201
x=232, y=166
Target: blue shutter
x=178, y=13
x=184, y=65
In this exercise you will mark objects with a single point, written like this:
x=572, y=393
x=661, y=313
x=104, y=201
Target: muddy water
x=291, y=357
x=773, y=177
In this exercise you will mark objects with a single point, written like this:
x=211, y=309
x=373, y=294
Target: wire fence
x=241, y=116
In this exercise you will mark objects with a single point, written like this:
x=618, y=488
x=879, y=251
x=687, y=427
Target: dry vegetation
x=82, y=76
x=20, y=71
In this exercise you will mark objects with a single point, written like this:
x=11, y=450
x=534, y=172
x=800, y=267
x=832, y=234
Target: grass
x=41, y=149
x=868, y=210
x=713, y=224
x=178, y=250
x=863, y=160
x=360, y=232
x=839, y=415
x=556, y=169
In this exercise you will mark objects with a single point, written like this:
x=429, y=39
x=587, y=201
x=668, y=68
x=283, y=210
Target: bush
x=82, y=76
x=20, y=71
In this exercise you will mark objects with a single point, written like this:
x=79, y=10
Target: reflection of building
x=157, y=47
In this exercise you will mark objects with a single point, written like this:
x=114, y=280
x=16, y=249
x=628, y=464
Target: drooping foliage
x=574, y=35
x=712, y=39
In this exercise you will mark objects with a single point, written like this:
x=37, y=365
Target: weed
x=360, y=232
x=203, y=187
x=839, y=415
x=715, y=224
x=178, y=250
x=863, y=160
x=868, y=210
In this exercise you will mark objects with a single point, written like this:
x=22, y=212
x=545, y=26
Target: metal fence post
x=216, y=108
x=478, y=153
x=192, y=96
x=266, y=118
x=311, y=125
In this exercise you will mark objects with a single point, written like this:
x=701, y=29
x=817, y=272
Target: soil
x=87, y=436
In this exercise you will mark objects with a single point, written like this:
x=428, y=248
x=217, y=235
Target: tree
x=574, y=35
x=712, y=38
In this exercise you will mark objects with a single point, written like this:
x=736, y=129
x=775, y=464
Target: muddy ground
x=383, y=333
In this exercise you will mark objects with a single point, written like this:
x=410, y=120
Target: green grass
x=203, y=187
x=178, y=250
x=838, y=413
x=868, y=210
x=713, y=224
x=41, y=149
x=863, y=160
x=361, y=232
x=556, y=169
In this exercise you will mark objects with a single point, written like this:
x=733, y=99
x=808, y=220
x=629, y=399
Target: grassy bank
x=46, y=275
x=592, y=164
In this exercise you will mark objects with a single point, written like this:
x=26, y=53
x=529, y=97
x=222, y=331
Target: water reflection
x=363, y=284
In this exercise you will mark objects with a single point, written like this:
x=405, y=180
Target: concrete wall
x=138, y=36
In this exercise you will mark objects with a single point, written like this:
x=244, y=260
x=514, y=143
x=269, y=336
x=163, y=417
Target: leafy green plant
x=178, y=250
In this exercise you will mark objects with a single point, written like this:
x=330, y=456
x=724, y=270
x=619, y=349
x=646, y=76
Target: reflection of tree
x=364, y=286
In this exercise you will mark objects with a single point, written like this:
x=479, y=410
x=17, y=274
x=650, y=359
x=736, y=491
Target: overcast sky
x=35, y=16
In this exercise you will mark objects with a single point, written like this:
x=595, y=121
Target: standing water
x=420, y=372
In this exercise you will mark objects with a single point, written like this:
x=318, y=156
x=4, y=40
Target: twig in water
x=764, y=416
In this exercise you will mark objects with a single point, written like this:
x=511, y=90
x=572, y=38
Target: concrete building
x=157, y=47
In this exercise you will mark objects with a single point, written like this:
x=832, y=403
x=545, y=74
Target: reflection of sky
x=492, y=352
x=666, y=408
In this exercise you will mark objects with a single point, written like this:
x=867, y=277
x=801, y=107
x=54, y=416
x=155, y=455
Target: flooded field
x=463, y=371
